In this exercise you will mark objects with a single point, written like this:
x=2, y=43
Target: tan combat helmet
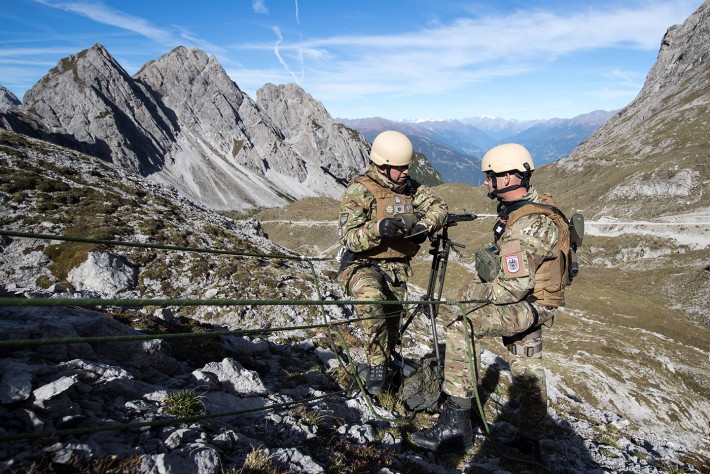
x=391, y=148
x=507, y=157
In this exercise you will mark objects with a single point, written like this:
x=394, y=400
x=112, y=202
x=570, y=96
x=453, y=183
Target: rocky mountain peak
x=679, y=72
x=182, y=121
x=683, y=51
x=658, y=142
x=88, y=101
x=8, y=100
x=312, y=133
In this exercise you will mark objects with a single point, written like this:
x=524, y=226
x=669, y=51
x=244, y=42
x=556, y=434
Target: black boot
x=452, y=431
x=376, y=379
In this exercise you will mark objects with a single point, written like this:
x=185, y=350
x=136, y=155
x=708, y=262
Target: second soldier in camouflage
x=384, y=218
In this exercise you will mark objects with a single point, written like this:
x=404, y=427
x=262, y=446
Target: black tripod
x=441, y=246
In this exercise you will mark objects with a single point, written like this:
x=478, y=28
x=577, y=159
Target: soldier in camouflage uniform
x=384, y=218
x=522, y=283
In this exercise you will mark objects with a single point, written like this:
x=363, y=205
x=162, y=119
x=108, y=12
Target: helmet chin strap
x=524, y=183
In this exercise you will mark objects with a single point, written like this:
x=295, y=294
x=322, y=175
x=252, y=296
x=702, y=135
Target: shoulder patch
x=512, y=263
x=344, y=218
x=513, y=260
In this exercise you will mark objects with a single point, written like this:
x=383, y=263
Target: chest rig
x=389, y=203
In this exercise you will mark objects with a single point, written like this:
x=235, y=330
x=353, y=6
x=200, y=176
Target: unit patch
x=512, y=263
x=513, y=260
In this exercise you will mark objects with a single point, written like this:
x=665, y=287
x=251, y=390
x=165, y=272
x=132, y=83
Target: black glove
x=419, y=234
x=391, y=228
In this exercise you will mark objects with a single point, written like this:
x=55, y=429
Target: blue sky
x=400, y=60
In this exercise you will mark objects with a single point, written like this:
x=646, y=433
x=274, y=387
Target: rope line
x=161, y=302
x=91, y=302
x=88, y=240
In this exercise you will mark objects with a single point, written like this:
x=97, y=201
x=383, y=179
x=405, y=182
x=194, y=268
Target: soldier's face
x=397, y=174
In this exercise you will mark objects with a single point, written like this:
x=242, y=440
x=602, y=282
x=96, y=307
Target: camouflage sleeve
x=358, y=227
x=432, y=208
x=476, y=291
x=523, y=248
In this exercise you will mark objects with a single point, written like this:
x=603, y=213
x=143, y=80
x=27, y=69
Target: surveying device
x=441, y=246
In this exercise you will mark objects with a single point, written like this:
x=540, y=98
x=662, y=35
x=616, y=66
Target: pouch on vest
x=345, y=257
x=576, y=235
x=488, y=263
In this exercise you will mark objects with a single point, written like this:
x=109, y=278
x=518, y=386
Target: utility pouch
x=346, y=258
x=572, y=266
x=576, y=234
x=488, y=263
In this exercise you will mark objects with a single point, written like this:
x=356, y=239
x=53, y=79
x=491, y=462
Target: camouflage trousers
x=529, y=389
x=381, y=328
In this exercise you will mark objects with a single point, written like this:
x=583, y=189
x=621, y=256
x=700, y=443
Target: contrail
x=277, y=32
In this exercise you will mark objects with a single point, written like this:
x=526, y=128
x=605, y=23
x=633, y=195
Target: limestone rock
x=311, y=131
x=183, y=122
x=103, y=272
x=90, y=101
x=8, y=100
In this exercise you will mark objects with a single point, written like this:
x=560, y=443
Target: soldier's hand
x=391, y=228
x=419, y=234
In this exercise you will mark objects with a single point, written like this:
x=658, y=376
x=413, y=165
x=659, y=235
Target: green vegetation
x=258, y=461
x=307, y=416
x=183, y=403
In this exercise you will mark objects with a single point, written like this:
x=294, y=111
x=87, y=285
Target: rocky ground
x=74, y=389
x=274, y=400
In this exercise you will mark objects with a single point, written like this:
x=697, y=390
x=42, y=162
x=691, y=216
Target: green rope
x=91, y=302
x=473, y=368
x=161, y=422
x=119, y=243
x=180, y=335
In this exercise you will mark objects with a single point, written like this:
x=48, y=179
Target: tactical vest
x=388, y=204
x=551, y=277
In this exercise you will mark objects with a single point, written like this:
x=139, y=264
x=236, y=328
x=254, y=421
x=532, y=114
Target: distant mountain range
x=455, y=147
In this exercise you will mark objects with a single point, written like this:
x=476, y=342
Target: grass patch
x=183, y=403
x=258, y=461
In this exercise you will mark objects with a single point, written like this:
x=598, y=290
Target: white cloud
x=466, y=51
x=259, y=7
x=110, y=16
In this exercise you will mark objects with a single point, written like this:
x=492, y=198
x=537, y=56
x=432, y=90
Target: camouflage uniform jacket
x=524, y=246
x=359, y=228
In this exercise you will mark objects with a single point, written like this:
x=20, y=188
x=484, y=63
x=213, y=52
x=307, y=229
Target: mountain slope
x=183, y=122
x=650, y=159
x=552, y=140
x=453, y=164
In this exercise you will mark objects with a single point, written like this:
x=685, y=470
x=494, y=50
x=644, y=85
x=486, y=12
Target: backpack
x=421, y=390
